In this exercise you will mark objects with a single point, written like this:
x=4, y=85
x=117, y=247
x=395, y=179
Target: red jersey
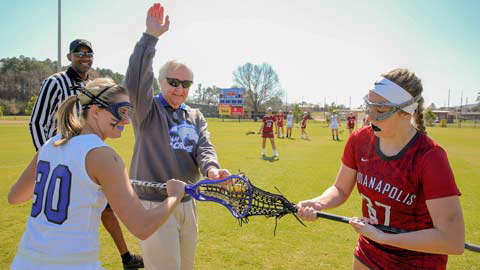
x=304, y=121
x=268, y=123
x=394, y=191
x=279, y=118
x=351, y=121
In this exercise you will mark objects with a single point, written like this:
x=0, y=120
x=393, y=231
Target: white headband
x=394, y=93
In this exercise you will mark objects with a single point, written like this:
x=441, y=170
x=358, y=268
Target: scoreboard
x=231, y=101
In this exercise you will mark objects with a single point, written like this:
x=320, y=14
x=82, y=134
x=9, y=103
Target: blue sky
x=322, y=50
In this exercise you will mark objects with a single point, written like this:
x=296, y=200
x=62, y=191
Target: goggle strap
x=94, y=99
x=410, y=102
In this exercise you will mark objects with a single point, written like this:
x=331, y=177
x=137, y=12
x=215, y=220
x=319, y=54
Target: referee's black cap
x=77, y=43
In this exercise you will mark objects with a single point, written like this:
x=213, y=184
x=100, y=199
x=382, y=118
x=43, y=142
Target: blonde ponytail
x=67, y=121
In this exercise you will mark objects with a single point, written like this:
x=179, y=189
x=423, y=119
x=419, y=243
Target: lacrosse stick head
x=269, y=204
x=234, y=192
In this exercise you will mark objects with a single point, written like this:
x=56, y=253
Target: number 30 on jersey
x=53, y=198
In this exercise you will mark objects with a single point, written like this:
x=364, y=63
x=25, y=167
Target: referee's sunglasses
x=83, y=54
x=176, y=82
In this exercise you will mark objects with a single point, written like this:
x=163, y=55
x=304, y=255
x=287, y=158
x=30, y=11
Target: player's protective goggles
x=176, y=82
x=371, y=108
x=120, y=110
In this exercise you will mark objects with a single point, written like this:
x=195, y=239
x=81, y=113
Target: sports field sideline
x=304, y=170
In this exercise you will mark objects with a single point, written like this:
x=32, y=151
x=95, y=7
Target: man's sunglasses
x=83, y=54
x=176, y=82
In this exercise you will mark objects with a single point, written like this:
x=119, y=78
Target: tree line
x=21, y=78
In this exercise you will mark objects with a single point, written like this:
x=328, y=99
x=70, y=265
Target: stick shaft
x=472, y=247
x=468, y=246
x=346, y=220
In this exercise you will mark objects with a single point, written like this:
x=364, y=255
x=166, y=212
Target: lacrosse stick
x=291, y=208
x=243, y=200
x=233, y=192
x=343, y=219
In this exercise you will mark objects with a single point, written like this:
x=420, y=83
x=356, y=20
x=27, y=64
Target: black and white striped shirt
x=54, y=90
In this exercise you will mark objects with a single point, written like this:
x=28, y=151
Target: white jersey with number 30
x=62, y=230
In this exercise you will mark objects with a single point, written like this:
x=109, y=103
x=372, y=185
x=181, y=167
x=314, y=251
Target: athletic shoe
x=136, y=262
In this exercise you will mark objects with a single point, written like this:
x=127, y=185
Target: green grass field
x=304, y=170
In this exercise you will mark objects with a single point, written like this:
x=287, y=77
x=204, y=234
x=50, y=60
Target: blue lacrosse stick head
x=234, y=192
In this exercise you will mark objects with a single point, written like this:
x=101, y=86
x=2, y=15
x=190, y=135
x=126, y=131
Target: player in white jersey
x=289, y=124
x=70, y=179
x=334, y=125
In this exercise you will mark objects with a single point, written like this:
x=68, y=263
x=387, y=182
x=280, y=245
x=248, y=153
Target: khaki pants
x=172, y=246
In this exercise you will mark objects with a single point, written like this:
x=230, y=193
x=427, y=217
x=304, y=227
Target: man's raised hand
x=156, y=25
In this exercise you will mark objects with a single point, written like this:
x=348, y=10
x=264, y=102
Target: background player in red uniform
x=304, y=126
x=351, y=119
x=266, y=130
x=405, y=180
x=279, y=118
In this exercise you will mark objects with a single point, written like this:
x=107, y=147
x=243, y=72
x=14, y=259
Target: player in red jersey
x=268, y=121
x=279, y=118
x=404, y=179
x=351, y=119
x=304, y=126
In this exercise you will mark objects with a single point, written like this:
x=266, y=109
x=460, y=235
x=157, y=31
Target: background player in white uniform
x=289, y=124
x=334, y=125
x=70, y=179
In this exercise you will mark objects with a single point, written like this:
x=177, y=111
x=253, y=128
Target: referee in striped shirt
x=54, y=90
x=58, y=87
